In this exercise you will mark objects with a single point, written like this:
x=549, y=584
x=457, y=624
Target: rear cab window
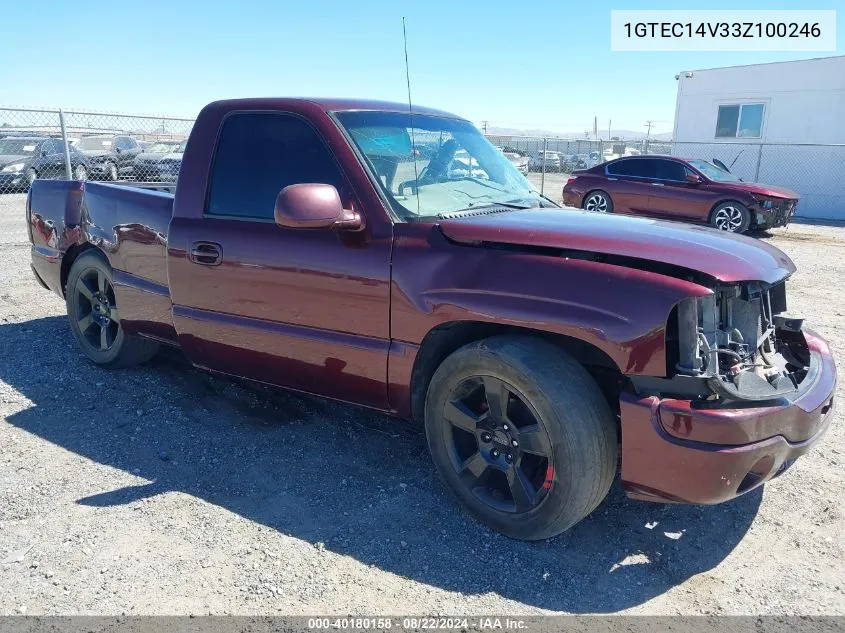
x=260, y=153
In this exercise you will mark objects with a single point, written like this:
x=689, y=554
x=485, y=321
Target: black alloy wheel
x=521, y=434
x=96, y=310
x=499, y=449
x=94, y=318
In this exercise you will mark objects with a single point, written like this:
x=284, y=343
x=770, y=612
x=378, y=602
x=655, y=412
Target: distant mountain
x=627, y=135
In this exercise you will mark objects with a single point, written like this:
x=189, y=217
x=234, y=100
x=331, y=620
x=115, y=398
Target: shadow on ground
x=358, y=482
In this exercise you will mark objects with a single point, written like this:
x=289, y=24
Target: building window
x=740, y=121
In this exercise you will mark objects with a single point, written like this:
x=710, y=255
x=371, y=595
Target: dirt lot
x=165, y=490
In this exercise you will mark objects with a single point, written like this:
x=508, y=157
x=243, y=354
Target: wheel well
x=69, y=257
x=447, y=338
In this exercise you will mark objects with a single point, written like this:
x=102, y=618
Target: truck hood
x=150, y=158
x=157, y=157
x=97, y=153
x=723, y=256
x=760, y=189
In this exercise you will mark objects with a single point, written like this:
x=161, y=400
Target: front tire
x=731, y=217
x=598, y=201
x=522, y=435
x=94, y=318
x=80, y=173
x=111, y=172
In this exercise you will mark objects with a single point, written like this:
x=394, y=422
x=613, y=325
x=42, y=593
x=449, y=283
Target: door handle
x=206, y=253
x=657, y=184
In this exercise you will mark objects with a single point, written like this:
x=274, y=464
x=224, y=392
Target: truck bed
x=128, y=224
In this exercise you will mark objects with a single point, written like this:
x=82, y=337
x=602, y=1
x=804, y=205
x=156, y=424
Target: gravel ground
x=163, y=490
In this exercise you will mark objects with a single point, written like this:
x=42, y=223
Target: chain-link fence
x=814, y=172
x=144, y=150
x=147, y=151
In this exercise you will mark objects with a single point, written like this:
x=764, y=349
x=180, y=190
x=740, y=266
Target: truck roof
x=329, y=104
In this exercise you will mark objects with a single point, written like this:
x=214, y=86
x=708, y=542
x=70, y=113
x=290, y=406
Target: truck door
x=678, y=199
x=306, y=309
x=630, y=185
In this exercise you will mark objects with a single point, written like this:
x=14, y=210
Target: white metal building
x=781, y=123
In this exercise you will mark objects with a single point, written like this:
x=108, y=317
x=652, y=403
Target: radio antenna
x=411, y=115
x=407, y=71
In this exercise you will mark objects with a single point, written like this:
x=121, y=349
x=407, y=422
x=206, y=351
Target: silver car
x=548, y=160
x=518, y=160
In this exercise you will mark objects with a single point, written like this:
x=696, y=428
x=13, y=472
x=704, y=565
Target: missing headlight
x=739, y=340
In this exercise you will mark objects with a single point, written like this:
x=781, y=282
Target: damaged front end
x=738, y=344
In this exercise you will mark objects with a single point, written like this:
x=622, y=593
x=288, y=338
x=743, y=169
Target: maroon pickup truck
x=337, y=248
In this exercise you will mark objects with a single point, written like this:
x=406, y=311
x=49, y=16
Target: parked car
x=25, y=158
x=531, y=341
x=519, y=161
x=110, y=156
x=550, y=159
x=693, y=190
x=464, y=166
x=160, y=162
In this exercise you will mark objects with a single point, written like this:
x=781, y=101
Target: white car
x=540, y=159
x=463, y=166
x=518, y=161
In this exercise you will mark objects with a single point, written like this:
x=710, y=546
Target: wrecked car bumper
x=780, y=215
x=675, y=453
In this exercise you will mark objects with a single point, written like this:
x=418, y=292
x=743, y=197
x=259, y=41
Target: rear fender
x=54, y=216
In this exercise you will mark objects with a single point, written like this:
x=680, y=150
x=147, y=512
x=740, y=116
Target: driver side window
x=260, y=153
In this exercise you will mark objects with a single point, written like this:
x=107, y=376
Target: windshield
x=18, y=146
x=712, y=172
x=165, y=148
x=95, y=143
x=430, y=165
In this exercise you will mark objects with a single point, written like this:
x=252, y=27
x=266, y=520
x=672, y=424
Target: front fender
x=621, y=311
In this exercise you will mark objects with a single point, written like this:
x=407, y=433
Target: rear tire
x=731, y=217
x=598, y=201
x=111, y=172
x=94, y=318
x=565, y=457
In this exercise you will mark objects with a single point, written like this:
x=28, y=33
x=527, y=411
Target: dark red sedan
x=690, y=190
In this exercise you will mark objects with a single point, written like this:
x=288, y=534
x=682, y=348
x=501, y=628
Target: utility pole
x=484, y=126
x=649, y=125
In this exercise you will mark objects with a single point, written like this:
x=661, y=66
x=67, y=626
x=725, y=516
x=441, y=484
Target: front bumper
x=674, y=453
x=155, y=172
x=100, y=164
x=12, y=181
x=774, y=217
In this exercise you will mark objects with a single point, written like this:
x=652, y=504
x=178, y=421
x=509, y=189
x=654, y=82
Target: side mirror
x=314, y=206
x=694, y=179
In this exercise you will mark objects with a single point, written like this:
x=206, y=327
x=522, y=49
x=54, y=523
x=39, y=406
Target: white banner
x=723, y=30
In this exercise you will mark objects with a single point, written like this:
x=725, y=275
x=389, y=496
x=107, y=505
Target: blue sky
x=543, y=64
